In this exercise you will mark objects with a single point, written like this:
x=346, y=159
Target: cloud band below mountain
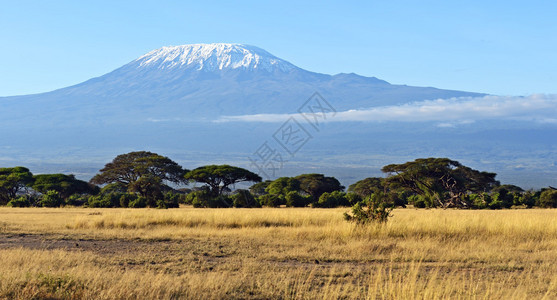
x=447, y=112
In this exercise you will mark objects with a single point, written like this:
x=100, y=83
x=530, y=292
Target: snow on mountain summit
x=211, y=57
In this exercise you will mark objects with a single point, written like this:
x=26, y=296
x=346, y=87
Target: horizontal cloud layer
x=448, y=112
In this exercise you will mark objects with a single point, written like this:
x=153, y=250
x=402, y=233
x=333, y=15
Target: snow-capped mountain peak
x=211, y=57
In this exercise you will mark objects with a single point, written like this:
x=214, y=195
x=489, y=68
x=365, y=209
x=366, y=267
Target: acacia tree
x=142, y=172
x=65, y=185
x=12, y=181
x=441, y=179
x=368, y=186
x=317, y=184
x=219, y=177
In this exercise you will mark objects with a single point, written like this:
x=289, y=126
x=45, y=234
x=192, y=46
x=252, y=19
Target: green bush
x=421, y=201
x=479, y=201
x=294, y=199
x=105, y=200
x=270, y=200
x=77, y=200
x=330, y=200
x=170, y=200
x=126, y=198
x=528, y=199
x=20, y=202
x=138, y=202
x=548, y=198
x=353, y=198
x=51, y=199
x=373, y=209
x=244, y=198
x=198, y=198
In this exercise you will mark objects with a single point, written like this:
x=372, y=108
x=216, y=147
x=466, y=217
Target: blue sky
x=497, y=47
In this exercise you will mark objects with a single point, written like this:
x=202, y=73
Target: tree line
x=146, y=179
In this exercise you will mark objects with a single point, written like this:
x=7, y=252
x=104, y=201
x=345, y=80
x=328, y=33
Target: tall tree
x=317, y=184
x=219, y=177
x=443, y=180
x=65, y=185
x=142, y=172
x=283, y=185
x=12, y=181
x=368, y=186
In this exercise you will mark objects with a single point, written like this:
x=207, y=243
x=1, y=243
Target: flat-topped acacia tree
x=444, y=180
x=219, y=177
x=12, y=181
x=142, y=172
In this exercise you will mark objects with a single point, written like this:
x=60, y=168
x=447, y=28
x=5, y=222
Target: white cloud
x=448, y=112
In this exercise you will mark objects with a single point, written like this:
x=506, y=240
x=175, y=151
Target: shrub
x=138, y=202
x=527, y=198
x=77, y=200
x=421, y=201
x=105, y=200
x=198, y=198
x=170, y=200
x=479, y=201
x=330, y=200
x=244, y=198
x=353, y=198
x=373, y=209
x=270, y=200
x=20, y=202
x=51, y=199
x=294, y=199
x=126, y=198
x=548, y=198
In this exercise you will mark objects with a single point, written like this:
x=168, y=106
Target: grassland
x=74, y=253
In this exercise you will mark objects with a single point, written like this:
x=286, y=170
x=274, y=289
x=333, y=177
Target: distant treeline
x=145, y=179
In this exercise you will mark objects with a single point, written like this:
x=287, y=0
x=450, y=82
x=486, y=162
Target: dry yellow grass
x=276, y=253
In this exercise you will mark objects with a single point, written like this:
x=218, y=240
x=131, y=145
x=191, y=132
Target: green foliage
x=270, y=200
x=294, y=199
x=373, y=209
x=150, y=187
x=445, y=181
x=259, y=189
x=171, y=200
x=480, y=201
x=142, y=172
x=548, y=198
x=22, y=201
x=330, y=200
x=317, y=184
x=12, y=181
x=138, y=202
x=528, y=199
x=353, y=198
x=51, y=199
x=243, y=198
x=220, y=177
x=421, y=201
x=105, y=200
x=198, y=198
x=115, y=187
x=65, y=185
x=282, y=186
x=126, y=198
x=366, y=187
x=77, y=200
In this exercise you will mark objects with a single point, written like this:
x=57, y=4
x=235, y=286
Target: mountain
x=169, y=99
x=203, y=80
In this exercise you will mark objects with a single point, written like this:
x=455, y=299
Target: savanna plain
x=276, y=253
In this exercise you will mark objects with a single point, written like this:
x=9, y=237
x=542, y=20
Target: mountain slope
x=203, y=81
